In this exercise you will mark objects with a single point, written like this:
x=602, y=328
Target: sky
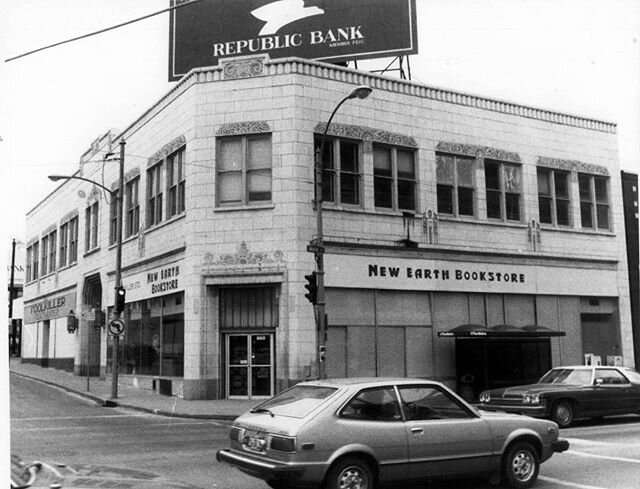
x=574, y=56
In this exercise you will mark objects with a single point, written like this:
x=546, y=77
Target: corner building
x=474, y=241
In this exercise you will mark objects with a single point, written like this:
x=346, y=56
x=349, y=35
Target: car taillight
x=235, y=434
x=283, y=444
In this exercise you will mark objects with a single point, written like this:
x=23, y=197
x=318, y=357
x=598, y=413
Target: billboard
x=330, y=30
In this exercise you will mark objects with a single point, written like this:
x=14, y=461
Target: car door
x=612, y=392
x=444, y=436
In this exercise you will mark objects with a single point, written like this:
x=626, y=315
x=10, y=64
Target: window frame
x=503, y=193
x=333, y=189
x=175, y=182
x=155, y=187
x=53, y=243
x=243, y=170
x=74, y=227
x=113, y=216
x=91, y=215
x=44, y=254
x=593, y=203
x=456, y=186
x=62, y=245
x=132, y=207
x=395, y=180
x=553, y=197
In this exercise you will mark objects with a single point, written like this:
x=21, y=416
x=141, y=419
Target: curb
x=110, y=403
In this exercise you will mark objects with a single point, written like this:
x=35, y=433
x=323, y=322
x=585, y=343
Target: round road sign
x=116, y=327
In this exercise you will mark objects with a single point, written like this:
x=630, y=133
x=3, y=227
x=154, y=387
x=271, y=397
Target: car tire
x=520, y=465
x=350, y=472
x=562, y=413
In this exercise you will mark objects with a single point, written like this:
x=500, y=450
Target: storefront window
x=153, y=341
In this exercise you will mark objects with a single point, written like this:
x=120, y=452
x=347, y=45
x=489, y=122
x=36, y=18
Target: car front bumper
x=266, y=470
x=560, y=445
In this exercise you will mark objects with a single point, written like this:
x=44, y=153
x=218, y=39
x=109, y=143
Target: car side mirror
x=598, y=382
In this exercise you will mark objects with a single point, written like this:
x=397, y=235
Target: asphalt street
x=144, y=450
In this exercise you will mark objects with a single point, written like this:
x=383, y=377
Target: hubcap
x=352, y=478
x=563, y=414
x=523, y=466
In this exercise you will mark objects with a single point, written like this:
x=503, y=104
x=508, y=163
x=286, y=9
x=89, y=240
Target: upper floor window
x=504, y=190
x=154, y=194
x=64, y=244
x=91, y=227
x=244, y=170
x=455, y=184
x=44, y=249
x=132, y=207
x=33, y=258
x=113, y=216
x=553, y=197
x=394, y=178
x=52, y=251
x=341, y=171
x=594, y=201
x=175, y=184
x=73, y=240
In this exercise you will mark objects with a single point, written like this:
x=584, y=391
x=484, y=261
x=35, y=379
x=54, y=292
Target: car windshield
x=296, y=402
x=566, y=376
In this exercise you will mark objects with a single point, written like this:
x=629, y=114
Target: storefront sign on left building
x=50, y=308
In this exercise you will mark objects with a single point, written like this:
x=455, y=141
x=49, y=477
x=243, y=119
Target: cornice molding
x=479, y=152
x=233, y=69
x=166, y=150
x=366, y=134
x=240, y=128
x=572, y=166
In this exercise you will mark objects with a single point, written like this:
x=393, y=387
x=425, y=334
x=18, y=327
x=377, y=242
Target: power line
x=102, y=30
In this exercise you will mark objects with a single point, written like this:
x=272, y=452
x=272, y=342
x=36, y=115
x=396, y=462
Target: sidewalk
x=138, y=398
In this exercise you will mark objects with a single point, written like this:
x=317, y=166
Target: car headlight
x=531, y=399
x=485, y=397
x=235, y=433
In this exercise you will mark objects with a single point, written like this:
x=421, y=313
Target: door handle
x=417, y=431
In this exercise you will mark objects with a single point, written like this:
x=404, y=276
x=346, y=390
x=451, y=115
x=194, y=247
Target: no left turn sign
x=116, y=327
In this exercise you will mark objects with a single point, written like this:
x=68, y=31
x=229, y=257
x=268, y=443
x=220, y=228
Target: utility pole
x=118, y=284
x=11, y=289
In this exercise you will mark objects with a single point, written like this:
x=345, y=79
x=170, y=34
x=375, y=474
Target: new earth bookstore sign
x=332, y=30
x=153, y=283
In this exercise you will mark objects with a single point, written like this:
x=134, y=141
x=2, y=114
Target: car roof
x=368, y=381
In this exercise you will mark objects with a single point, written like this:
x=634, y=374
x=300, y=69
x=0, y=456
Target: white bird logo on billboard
x=282, y=12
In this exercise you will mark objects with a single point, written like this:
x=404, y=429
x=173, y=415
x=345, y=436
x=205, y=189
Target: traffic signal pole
x=118, y=284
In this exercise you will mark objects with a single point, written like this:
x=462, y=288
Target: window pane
x=492, y=175
x=445, y=199
x=406, y=165
x=586, y=217
x=407, y=194
x=259, y=183
x=259, y=150
x=230, y=187
x=465, y=171
x=424, y=403
x=493, y=204
x=601, y=190
x=584, y=184
x=512, y=180
x=349, y=156
x=444, y=169
x=382, y=162
x=349, y=191
x=603, y=216
x=512, y=202
x=562, y=207
x=562, y=185
x=382, y=191
x=465, y=201
x=544, y=205
x=230, y=155
x=327, y=153
x=544, y=182
x=328, y=178
x=378, y=404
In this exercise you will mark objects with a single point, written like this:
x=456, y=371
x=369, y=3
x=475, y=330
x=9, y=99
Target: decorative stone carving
x=242, y=68
x=68, y=216
x=572, y=165
x=94, y=194
x=534, y=235
x=367, y=135
x=479, y=152
x=243, y=256
x=430, y=226
x=131, y=174
x=166, y=150
x=240, y=128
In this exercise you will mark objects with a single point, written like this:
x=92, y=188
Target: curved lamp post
x=317, y=244
x=118, y=195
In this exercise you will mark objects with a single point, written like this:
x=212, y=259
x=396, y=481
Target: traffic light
x=312, y=287
x=72, y=323
x=322, y=353
x=120, y=299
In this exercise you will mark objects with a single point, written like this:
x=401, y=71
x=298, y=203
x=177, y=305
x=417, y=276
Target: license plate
x=255, y=444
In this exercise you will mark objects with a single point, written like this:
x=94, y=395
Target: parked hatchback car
x=566, y=393
x=358, y=433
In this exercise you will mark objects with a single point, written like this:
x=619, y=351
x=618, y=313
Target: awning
x=499, y=331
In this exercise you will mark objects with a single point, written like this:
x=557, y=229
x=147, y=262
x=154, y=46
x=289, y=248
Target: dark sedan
x=566, y=393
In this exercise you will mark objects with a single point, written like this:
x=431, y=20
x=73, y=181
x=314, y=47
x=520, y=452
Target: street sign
x=116, y=327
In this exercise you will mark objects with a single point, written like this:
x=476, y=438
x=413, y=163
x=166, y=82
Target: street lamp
x=117, y=194
x=317, y=244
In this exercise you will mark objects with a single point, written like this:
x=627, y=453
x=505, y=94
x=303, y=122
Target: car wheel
x=562, y=413
x=350, y=473
x=521, y=465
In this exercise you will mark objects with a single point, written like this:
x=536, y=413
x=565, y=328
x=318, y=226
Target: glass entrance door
x=249, y=366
